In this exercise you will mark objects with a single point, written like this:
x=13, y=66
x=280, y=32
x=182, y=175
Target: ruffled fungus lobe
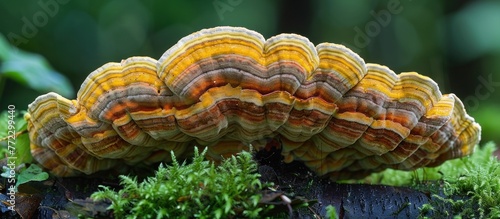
x=340, y=116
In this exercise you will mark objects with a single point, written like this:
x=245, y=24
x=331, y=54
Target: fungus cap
x=227, y=87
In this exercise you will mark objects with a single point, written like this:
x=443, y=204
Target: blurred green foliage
x=31, y=70
x=455, y=43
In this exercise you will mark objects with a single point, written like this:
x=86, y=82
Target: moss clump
x=475, y=193
x=468, y=187
x=200, y=189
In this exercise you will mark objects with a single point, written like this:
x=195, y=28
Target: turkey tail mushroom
x=227, y=87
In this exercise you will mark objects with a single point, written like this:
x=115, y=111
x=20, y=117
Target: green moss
x=466, y=187
x=200, y=189
x=331, y=212
x=470, y=186
x=451, y=169
x=478, y=183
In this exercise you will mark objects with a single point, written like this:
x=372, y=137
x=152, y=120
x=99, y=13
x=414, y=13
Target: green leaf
x=3, y=128
x=32, y=173
x=21, y=123
x=21, y=143
x=34, y=71
x=23, y=152
x=4, y=48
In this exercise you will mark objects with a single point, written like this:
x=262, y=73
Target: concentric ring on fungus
x=228, y=87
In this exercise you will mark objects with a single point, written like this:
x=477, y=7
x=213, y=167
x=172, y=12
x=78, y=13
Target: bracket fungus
x=227, y=87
